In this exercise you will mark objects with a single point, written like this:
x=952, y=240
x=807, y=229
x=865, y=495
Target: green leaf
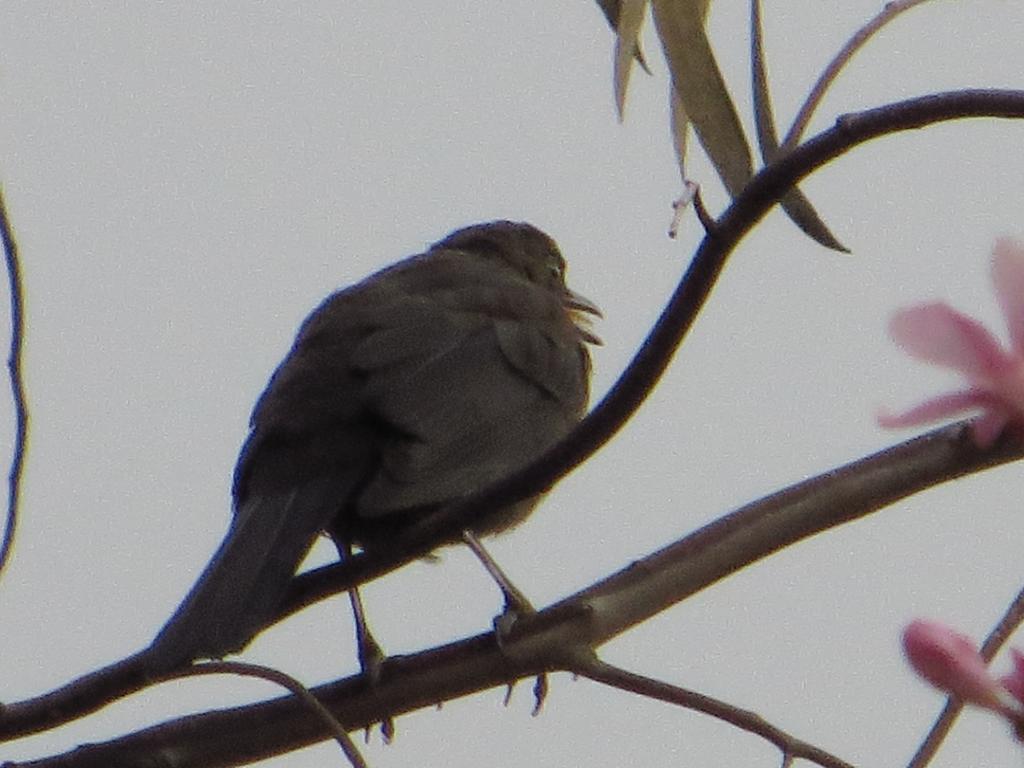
x=611, y=11
x=680, y=130
x=795, y=203
x=631, y=18
x=701, y=88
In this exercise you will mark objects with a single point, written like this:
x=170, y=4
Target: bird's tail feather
x=248, y=575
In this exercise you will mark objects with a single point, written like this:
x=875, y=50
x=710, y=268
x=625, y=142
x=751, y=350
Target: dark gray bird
x=427, y=381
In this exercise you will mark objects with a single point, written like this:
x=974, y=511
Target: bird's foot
x=371, y=658
x=540, y=692
x=517, y=606
x=371, y=661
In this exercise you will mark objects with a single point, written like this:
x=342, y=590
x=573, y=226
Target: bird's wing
x=472, y=397
x=307, y=451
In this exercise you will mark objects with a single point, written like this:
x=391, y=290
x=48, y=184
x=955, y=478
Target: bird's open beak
x=580, y=307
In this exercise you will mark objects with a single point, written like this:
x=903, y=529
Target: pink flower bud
x=950, y=662
x=1014, y=682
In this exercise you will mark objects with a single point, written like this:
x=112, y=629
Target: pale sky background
x=188, y=180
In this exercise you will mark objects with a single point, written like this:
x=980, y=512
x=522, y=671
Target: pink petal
x=950, y=662
x=1014, y=682
x=939, y=334
x=936, y=409
x=1008, y=280
x=987, y=428
x=1007, y=392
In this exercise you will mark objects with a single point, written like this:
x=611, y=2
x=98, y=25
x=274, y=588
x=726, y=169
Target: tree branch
x=14, y=362
x=790, y=746
x=564, y=635
x=555, y=637
x=661, y=344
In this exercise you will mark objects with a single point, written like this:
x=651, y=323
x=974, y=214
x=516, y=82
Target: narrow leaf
x=610, y=9
x=795, y=204
x=699, y=83
x=680, y=131
x=631, y=18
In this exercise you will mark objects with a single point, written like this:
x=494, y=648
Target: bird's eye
x=557, y=270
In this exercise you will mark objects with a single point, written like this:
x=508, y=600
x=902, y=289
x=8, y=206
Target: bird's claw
x=516, y=606
x=540, y=692
x=371, y=660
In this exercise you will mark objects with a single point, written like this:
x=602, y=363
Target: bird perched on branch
x=416, y=387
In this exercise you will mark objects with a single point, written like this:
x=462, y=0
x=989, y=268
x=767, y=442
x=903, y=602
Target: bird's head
x=531, y=252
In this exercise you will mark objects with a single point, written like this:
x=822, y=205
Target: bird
x=425, y=382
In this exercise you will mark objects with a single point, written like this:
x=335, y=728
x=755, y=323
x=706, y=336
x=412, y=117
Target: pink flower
x=949, y=661
x=1014, y=682
x=939, y=334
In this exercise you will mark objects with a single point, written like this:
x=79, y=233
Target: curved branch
x=242, y=735
x=660, y=346
x=751, y=722
x=828, y=76
x=297, y=689
x=10, y=248
x=741, y=538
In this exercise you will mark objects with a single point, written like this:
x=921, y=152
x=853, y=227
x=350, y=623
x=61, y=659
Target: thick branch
x=563, y=635
x=803, y=510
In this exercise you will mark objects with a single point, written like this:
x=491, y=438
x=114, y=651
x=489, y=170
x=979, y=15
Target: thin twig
x=285, y=681
x=764, y=118
x=796, y=205
x=831, y=72
x=1002, y=631
x=17, y=383
x=790, y=746
x=706, y=219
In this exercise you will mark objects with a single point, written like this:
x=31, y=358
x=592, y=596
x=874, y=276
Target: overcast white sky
x=187, y=181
